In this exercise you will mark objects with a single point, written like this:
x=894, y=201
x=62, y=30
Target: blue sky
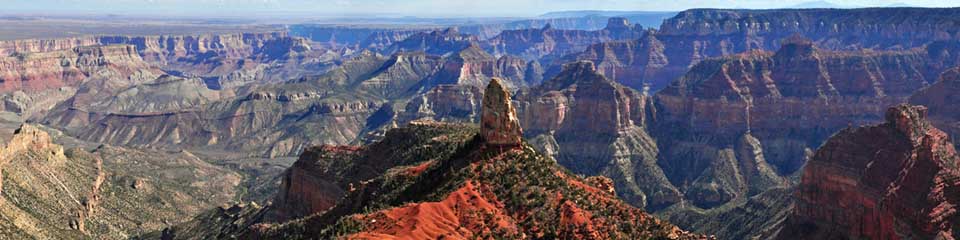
x=422, y=8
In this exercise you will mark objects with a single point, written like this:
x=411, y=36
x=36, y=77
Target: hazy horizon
x=415, y=8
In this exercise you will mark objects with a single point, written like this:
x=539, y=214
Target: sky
x=418, y=8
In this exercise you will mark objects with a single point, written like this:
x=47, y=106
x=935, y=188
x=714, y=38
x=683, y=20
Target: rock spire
x=499, y=124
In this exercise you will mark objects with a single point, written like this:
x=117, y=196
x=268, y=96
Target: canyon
x=734, y=124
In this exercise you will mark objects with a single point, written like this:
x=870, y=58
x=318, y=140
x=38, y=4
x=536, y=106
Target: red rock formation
x=308, y=186
x=897, y=180
x=499, y=124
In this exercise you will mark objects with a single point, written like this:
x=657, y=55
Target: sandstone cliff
x=896, y=180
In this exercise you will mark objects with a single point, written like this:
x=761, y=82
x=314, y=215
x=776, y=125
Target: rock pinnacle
x=499, y=122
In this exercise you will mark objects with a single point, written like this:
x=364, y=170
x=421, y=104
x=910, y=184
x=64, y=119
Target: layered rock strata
x=36, y=72
x=790, y=100
x=659, y=57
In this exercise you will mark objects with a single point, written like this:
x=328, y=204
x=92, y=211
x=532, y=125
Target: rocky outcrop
x=896, y=180
x=943, y=102
x=498, y=122
x=594, y=126
x=27, y=138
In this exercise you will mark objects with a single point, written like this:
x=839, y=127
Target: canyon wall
x=694, y=35
x=35, y=72
x=767, y=111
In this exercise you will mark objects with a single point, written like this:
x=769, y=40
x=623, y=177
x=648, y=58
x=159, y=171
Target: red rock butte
x=499, y=124
x=897, y=180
